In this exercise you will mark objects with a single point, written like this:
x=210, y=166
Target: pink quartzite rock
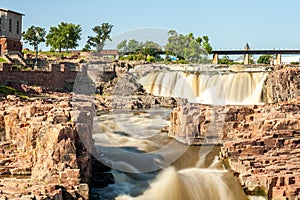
x=42, y=144
x=261, y=143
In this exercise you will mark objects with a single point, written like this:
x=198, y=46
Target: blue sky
x=229, y=24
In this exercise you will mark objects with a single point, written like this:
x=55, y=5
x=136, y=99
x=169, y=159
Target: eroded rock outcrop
x=260, y=143
x=282, y=84
x=264, y=150
x=48, y=143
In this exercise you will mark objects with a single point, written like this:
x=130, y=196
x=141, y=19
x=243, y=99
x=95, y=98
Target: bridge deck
x=238, y=52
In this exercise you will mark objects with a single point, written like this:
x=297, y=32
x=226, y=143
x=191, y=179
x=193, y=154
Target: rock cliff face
x=42, y=145
x=263, y=149
x=282, y=85
x=260, y=143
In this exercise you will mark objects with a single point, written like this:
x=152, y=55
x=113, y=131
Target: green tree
x=206, y=45
x=64, y=36
x=151, y=48
x=34, y=36
x=102, y=35
x=187, y=46
x=86, y=47
x=265, y=59
x=134, y=46
x=122, y=46
x=225, y=60
x=141, y=51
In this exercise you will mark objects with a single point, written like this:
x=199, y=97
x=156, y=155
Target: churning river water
x=147, y=165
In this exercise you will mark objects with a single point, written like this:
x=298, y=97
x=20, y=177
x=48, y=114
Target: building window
x=10, y=25
x=18, y=27
x=0, y=25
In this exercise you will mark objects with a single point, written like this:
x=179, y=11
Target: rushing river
x=148, y=165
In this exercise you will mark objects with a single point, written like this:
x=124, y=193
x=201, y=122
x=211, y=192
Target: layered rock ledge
x=45, y=148
x=264, y=150
x=260, y=143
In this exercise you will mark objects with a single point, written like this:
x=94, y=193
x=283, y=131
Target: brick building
x=10, y=31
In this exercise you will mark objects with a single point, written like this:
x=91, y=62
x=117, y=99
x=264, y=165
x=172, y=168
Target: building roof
x=6, y=10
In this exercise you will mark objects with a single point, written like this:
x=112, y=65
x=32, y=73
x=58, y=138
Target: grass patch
x=2, y=60
x=49, y=53
x=6, y=90
x=55, y=53
x=21, y=68
x=28, y=51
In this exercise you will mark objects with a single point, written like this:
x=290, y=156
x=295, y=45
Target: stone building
x=10, y=31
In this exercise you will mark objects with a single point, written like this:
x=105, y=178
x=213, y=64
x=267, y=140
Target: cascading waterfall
x=131, y=143
x=193, y=184
x=242, y=88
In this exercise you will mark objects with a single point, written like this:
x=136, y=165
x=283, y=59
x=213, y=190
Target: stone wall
x=49, y=141
x=59, y=78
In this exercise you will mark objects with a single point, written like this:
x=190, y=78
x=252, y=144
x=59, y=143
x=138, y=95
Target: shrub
x=295, y=63
x=150, y=59
x=6, y=90
x=2, y=60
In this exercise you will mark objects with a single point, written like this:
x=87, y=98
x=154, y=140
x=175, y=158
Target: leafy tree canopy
x=133, y=46
x=140, y=50
x=64, y=36
x=122, y=46
x=225, y=60
x=264, y=59
x=187, y=46
x=151, y=48
x=34, y=35
x=102, y=35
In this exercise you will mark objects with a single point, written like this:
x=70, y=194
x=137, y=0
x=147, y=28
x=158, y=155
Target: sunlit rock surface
x=41, y=154
x=260, y=143
x=282, y=84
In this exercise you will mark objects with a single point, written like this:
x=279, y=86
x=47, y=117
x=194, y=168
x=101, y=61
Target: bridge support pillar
x=215, y=59
x=278, y=59
x=246, y=59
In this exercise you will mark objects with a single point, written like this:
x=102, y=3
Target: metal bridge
x=247, y=51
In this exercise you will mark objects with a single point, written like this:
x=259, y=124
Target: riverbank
x=42, y=135
x=260, y=142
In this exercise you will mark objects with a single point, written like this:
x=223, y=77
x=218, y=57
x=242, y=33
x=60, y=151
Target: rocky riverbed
x=47, y=147
x=44, y=154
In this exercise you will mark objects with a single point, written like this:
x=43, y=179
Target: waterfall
x=242, y=88
x=193, y=184
x=147, y=167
